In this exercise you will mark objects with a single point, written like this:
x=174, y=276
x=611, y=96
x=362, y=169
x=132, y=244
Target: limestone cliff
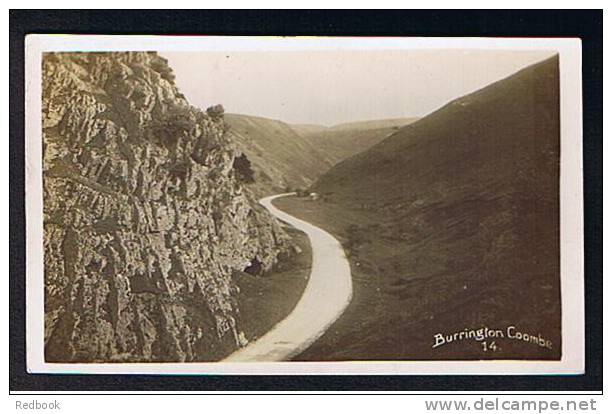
x=145, y=219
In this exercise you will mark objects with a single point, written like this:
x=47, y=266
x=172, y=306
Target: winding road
x=326, y=296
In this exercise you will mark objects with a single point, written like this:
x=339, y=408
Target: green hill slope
x=451, y=224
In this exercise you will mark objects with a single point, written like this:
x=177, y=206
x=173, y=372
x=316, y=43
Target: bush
x=176, y=121
x=243, y=169
x=216, y=111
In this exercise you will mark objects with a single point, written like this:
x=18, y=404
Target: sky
x=333, y=87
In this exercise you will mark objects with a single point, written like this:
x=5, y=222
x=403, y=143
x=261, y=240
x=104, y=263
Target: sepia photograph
x=304, y=205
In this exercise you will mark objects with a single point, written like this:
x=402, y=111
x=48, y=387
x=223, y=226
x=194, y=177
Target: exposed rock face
x=145, y=220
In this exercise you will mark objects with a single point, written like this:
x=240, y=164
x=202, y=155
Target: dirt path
x=326, y=296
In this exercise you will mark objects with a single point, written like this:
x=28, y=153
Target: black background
x=586, y=25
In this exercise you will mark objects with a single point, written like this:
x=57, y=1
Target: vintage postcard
x=238, y=205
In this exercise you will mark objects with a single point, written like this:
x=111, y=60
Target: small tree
x=216, y=111
x=244, y=170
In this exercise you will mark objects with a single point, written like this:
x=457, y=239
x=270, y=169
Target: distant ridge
x=304, y=129
x=342, y=141
x=375, y=123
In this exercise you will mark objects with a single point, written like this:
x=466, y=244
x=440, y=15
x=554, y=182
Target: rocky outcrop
x=145, y=220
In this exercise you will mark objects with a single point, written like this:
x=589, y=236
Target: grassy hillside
x=345, y=140
x=279, y=156
x=451, y=224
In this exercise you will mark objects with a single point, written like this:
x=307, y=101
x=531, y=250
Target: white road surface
x=327, y=294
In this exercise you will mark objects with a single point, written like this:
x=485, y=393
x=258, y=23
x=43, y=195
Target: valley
x=288, y=157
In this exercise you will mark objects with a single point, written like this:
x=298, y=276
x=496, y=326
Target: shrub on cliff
x=176, y=120
x=243, y=169
x=216, y=111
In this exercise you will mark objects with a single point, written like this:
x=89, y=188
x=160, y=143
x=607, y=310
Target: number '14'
x=489, y=346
